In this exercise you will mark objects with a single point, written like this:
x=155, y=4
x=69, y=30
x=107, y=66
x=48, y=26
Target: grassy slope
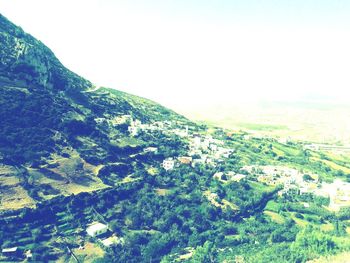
x=143, y=106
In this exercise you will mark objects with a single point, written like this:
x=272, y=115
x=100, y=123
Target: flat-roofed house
x=96, y=229
x=10, y=252
x=168, y=164
x=150, y=149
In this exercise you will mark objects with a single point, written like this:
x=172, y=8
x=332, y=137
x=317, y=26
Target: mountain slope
x=164, y=189
x=50, y=138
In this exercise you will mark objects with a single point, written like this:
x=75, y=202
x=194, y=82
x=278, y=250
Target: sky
x=184, y=53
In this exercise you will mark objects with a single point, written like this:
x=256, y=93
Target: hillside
x=91, y=174
x=50, y=141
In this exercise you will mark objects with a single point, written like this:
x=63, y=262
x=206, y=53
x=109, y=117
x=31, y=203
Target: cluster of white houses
x=207, y=150
x=117, y=120
x=291, y=179
x=136, y=126
x=208, y=147
x=170, y=163
x=203, y=150
x=294, y=181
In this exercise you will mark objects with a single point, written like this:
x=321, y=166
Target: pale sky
x=185, y=52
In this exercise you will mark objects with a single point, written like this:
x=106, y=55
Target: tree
x=307, y=177
x=205, y=253
x=36, y=234
x=311, y=242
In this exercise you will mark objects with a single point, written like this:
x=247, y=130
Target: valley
x=303, y=120
x=279, y=190
x=93, y=174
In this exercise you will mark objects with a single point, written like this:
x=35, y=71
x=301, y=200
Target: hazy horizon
x=186, y=54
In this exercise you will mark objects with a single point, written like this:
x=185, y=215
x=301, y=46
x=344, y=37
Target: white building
x=150, y=149
x=238, y=177
x=11, y=250
x=96, y=229
x=100, y=120
x=113, y=240
x=28, y=254
x=168, y=164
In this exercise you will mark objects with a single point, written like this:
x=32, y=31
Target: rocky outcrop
x=24, y=58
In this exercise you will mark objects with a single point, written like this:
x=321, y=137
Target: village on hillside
x=206, y=149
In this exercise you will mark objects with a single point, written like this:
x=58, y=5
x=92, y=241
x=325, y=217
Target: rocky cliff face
x=24, y=58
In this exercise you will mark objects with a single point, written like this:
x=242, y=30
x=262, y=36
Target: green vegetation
x=161, y=215
x=68, y=158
